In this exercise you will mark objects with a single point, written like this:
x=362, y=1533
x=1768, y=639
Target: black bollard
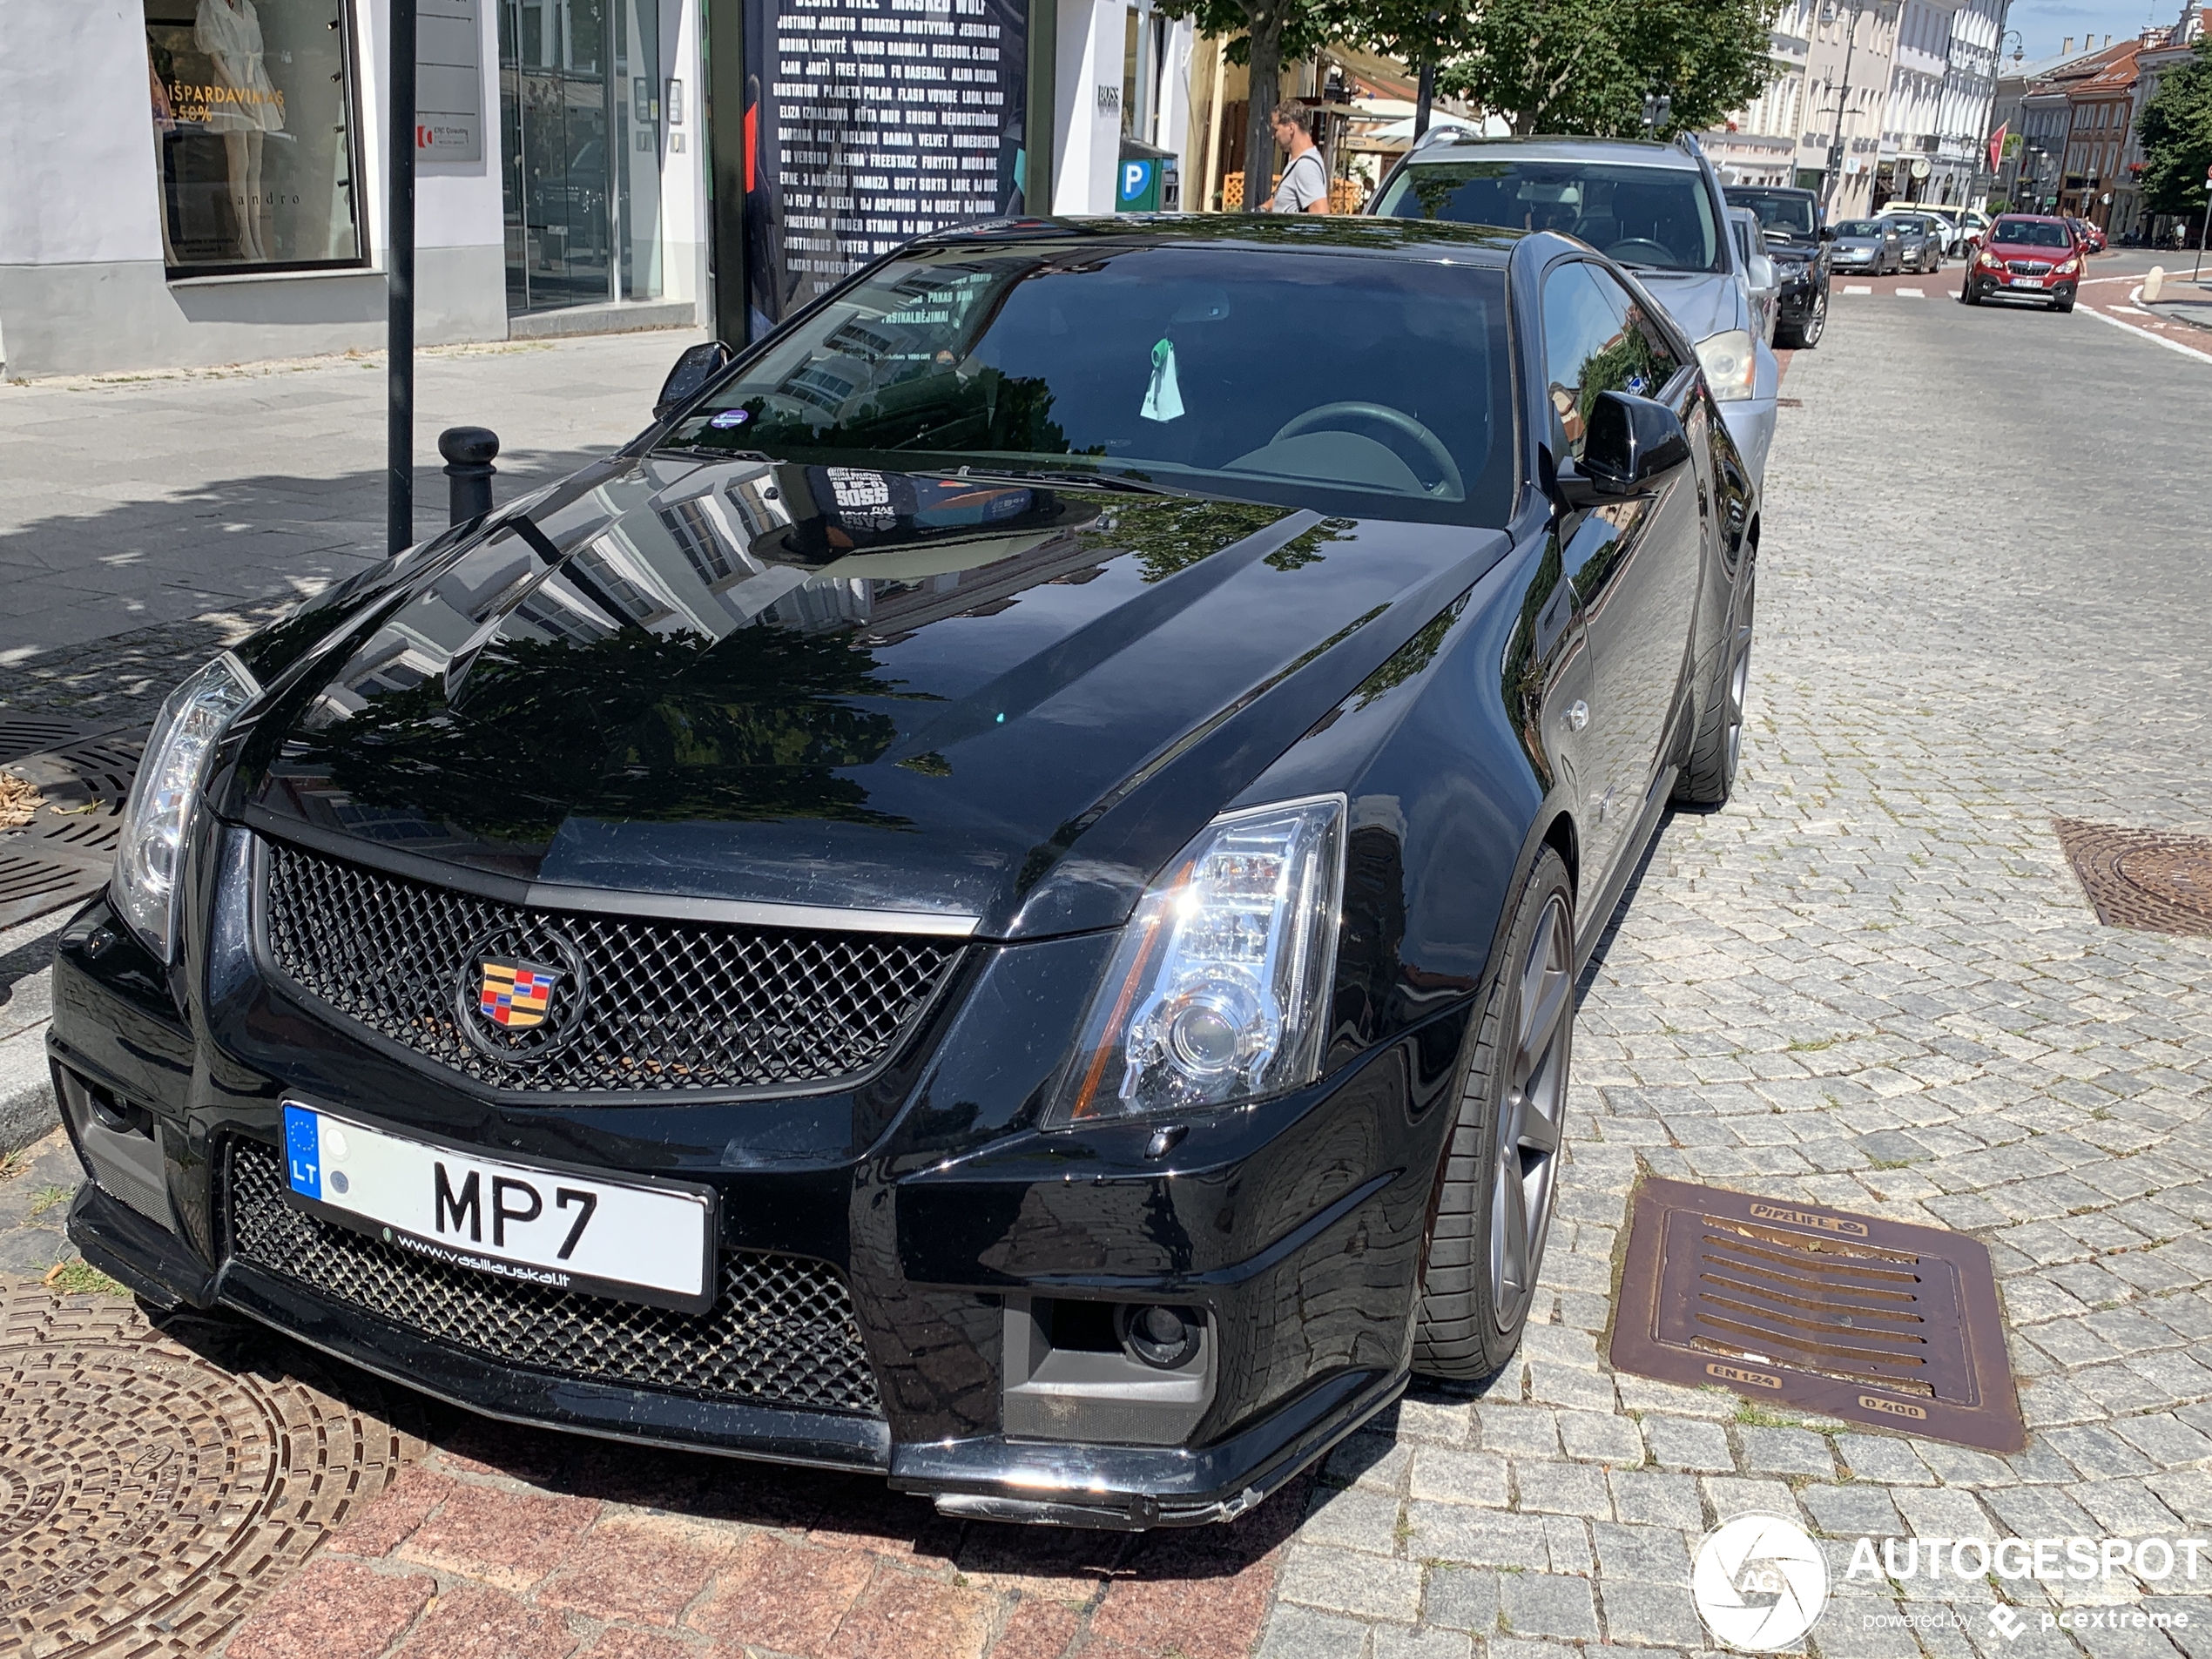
x=469, y=451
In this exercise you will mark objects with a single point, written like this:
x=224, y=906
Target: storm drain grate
x=64, y=853
x=1868, y=1320
x=2154, y=879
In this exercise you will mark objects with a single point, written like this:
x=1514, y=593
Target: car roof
x=1481, y=246
x=1648, y=152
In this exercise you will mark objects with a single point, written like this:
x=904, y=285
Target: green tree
x=2176, y=130
x=1585, y=66
x=1262, y=35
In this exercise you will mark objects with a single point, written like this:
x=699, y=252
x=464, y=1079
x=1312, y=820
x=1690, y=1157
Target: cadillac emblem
x=520, y=994
x=514, y=994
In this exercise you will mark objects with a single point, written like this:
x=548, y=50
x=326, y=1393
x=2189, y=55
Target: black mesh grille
x=781, y=1333
x=638, y=1004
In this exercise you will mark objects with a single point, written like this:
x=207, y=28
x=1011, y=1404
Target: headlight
x=1992, y=261
x=2068, y=267
x=158, y=814
x=1219, y=991
x=1728, y=363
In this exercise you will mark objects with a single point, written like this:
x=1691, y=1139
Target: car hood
x=1704, y=304
x=778, y=684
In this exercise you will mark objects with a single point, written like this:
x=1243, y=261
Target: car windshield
x=1653, y=218
x=1781, y=213
x=1909, y=224
x=2030, y=232
x=1342, y=382
x=1861, y=227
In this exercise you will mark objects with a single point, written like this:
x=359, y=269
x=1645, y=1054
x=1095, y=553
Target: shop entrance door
x=579, y=105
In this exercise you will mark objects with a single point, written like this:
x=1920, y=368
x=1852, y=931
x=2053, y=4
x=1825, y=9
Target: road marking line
x=2133, y=311
x=1910, y=294
x=1856, y=288
x=2156, y=339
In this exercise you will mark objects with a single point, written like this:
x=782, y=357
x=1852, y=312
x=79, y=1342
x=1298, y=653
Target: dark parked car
x=995, y=901
x=2026, y=257
x=1867, y=247
x=1920, y=237
x=1798, y=246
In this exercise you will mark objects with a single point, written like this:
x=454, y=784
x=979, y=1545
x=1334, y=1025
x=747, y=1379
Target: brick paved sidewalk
x=517, y=1542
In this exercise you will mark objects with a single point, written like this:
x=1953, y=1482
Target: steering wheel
x=1450, y=485
x=1643, y=248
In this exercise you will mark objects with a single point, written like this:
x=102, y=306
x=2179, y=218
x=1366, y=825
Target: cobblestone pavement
x=1871, y=982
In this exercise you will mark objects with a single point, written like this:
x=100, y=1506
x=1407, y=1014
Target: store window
x=253, y=133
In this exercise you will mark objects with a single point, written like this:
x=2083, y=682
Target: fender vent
x=1873, y=1321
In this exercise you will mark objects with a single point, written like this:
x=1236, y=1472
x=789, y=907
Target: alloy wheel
x=1808, y=331
x=1531, y=1115
x=1739, y=670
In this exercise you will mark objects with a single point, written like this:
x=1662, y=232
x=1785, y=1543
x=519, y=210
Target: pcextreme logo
x=1759, y=1582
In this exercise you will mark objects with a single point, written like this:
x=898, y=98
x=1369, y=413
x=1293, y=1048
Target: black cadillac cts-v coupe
x=996, y=899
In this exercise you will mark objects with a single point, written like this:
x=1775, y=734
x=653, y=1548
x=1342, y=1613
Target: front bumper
x=1294, y=1229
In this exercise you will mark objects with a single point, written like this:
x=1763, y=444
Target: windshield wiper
x=1024, y=476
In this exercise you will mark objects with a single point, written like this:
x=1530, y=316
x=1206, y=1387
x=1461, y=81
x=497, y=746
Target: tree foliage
x=2176, y=130
x=1585, y=66
x=1262, y=35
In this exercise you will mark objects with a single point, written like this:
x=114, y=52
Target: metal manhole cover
x=2154, y=879
x=1869, y=1320
x=151, y=1496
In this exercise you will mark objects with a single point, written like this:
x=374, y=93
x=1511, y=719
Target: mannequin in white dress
x=229, y=32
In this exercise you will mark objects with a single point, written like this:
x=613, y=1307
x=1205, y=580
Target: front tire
x=1709, y=776
x=1805, y=334
x=1500, y=1175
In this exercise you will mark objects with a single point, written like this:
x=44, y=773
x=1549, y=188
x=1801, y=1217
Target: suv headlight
x=158, y=817
x=1728, y=364
x=1220, y=990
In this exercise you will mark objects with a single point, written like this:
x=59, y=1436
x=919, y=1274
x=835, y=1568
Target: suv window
x=1781, y=212
x=1596, y=338
x=1654, y=216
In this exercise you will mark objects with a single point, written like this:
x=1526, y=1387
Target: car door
x=1634, y=564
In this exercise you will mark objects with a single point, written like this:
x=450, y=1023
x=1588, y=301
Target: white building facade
x=192, y=182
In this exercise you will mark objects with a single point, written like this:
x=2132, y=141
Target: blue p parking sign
x=1140, y=187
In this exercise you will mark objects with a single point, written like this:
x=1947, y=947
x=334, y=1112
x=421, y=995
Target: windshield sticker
x=1163, y=397
x=729, y=418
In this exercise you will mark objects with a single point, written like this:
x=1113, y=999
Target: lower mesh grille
x=781, y=1333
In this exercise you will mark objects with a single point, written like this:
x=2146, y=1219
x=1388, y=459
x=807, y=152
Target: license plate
x=2026, y=282
x=564, y=1229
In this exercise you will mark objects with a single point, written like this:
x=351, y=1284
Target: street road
x=1871, y=982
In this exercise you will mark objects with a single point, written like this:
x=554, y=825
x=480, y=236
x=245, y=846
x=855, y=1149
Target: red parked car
x=2026, y=257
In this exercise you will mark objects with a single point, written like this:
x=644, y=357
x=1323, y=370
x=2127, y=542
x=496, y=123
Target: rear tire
x=1709, y=776
x=1501, y=1174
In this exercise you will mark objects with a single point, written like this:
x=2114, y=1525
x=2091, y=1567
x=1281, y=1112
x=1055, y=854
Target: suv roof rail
x=1444, y=132
x=1688, y=140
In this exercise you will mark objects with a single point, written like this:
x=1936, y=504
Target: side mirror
x=689, y=378
x=1629, y=444
x=1827, y=233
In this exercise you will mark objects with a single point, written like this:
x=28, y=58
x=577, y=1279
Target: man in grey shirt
x=1305, y=188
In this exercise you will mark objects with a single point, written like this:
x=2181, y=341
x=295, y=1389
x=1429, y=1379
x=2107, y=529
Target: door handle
x=1578, y=715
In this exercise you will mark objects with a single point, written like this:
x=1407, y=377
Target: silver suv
x=1655, y=208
